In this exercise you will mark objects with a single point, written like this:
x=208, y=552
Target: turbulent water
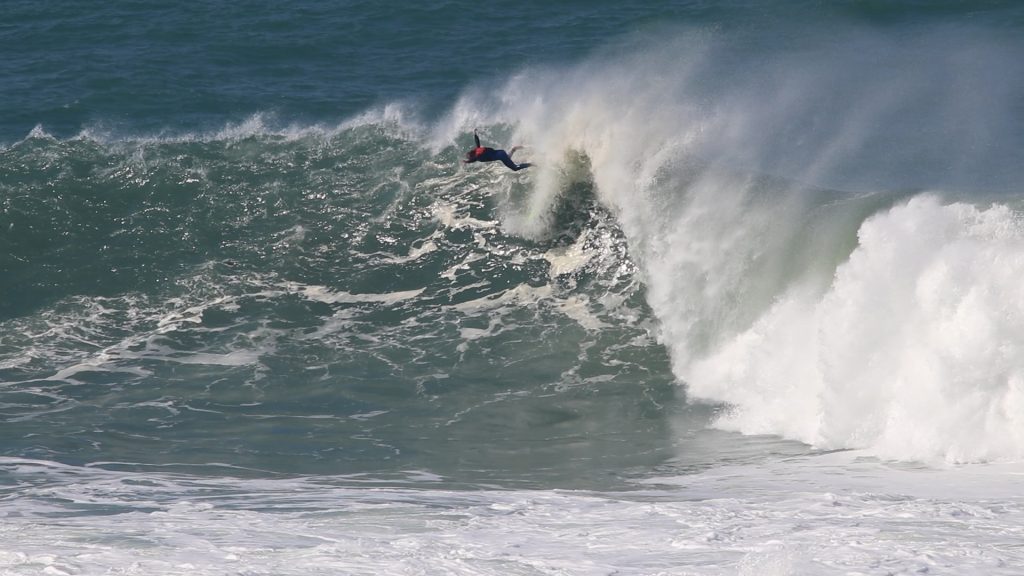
x=755, y=309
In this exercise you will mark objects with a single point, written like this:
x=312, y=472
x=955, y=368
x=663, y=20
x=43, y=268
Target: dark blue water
x=146, y=67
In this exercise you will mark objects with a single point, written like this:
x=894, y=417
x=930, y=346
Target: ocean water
x=756, y=309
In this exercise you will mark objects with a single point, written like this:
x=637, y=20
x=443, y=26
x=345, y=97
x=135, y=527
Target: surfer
x=481, y=154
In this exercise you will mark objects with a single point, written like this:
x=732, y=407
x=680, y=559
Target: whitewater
x=754, y=309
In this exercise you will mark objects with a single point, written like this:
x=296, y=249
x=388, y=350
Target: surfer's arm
x=476, y=139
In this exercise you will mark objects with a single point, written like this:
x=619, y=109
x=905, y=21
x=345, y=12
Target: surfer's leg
x=503, y=156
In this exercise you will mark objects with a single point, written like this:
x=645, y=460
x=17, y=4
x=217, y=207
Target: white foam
x=916, y=350
x=400, y=118
x=824, y=515
x=523, y=295
x=569, y=259
x=578, y=308
x=414, y=254
x=39, y=132
x=446, y=214
x=328, y=296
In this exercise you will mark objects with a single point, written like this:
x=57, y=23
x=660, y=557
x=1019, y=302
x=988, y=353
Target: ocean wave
x=675, y=170
x=880, y=317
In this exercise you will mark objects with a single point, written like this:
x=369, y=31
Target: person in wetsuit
x=481, y=154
